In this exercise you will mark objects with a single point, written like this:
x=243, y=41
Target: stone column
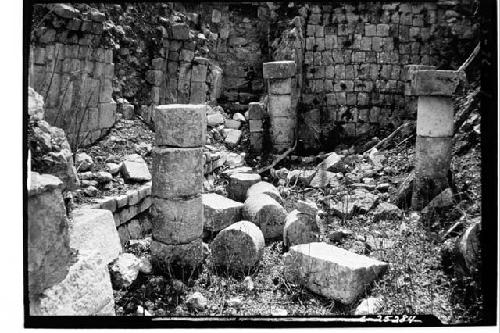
x=256, y=125
x=410, y=99
x=435, y=112
x=177, y=184
x=282, y=116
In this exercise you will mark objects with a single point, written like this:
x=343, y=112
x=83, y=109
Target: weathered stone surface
x=177, y=172
x=435, y=116
x=331, y=271
x=402, y=197
x=387, y=211
x=177, y=221
x=238, y=247
x=266, y=213
x=332, y=163
x=35, y=104
x=180, y=31
x=165, y=258
x=95, y=230
x=233, y=137
x=180, y=125
x=85, y=291
x=278, y=69
x=196, y=301
x=255, y=110
x=469, y=246
x=280, y=87
x=265, y=188
x=359, y=202
x=134, y=168
x=239, y=183
x=49, y=251
x=231, y=123
x=307, y=207
x=324, y=178
x=300, y=228
x=215, y=119
x=242, y=169
x=280, y=106
x=124, y=270
x=435, y=82
x=302, y=177
x=369, y=306
x=220, y=212
x=64, y=11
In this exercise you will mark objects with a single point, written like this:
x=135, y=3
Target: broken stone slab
x=266, y=213
x=324, y=178
x=265, y=188
x=435, y=82
x=95, y=230
x=134, y=168
x=168, y=258
x=332, y=163
x=239, y=117
x=238, y=247
x=369, y=306
x=300, y=228
x=177, y=172
x=278, y=69
x=49, y=252
x=180, y=125
x=220, y=212
x=332, y=272
x=233, y=137
x=124, y=270
x=387, y=211
x=302, y=177
x=85, y=291
x=239, y=183
x=177, y=221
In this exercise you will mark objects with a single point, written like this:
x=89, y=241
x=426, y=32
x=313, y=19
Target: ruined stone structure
x=435, y=126
x=281, y=80
x=177, y=184
x=72, y=68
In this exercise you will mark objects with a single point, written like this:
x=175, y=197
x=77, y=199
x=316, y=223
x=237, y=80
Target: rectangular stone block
x=199, y=73
x=107, y=114
x=220, y=212
x=256, y=141
x=180, y=31
x=106, y=89
x=280, y=105
x=177, y=221
x=433, y=157
x=435, y=82
x=331, y=271
x=198, y=93
x=180, y=125
x=177, y=172
x=282, y=129
x=435, y=116
x=278, y=69
x=280, y=86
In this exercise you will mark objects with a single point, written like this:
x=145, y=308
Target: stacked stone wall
x=71, y=66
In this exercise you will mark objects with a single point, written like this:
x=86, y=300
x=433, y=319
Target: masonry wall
x=71, y=66
x=355, y=54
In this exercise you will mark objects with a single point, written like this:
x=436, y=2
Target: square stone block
x=280, y=87
x=282, y=129
x=177, y=172
x=435, y=82
x=180, y=125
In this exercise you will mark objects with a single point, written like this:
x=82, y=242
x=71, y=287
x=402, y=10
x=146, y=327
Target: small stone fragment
x=265, y=188
x=124, y=270
x=300, y=228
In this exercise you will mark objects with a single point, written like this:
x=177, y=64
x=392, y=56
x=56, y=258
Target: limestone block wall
x=355, y=54
x=71, y=66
